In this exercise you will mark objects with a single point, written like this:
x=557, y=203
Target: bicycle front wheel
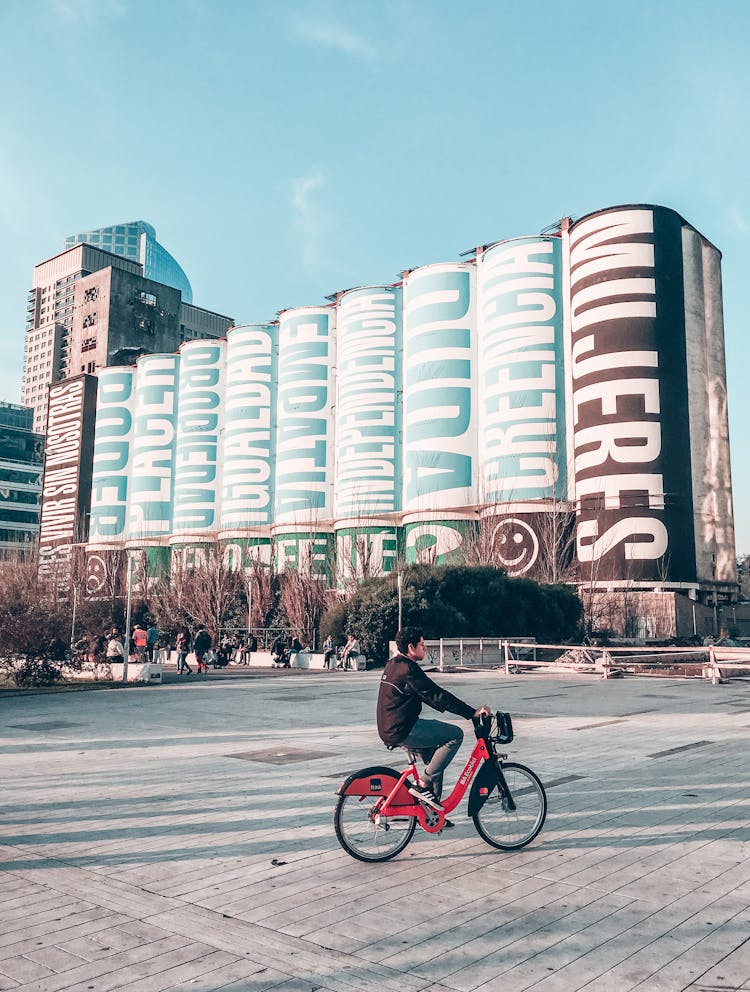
x=365, y=835
x=506, y=829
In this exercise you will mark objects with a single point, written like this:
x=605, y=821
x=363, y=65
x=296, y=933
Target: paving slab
x=179, y=837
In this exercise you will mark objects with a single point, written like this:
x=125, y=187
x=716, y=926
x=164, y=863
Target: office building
x=21, y=464
x=90, y=308
x=137, y=241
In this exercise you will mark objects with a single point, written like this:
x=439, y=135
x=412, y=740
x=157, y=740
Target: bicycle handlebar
x=499, y=722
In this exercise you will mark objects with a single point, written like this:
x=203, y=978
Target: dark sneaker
x=447, y=824
x=425, y=795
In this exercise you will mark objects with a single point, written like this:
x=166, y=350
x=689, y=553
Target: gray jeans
x=436, y=742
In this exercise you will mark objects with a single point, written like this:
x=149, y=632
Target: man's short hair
x=407, y=636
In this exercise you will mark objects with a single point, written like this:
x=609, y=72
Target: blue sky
x=287, y=150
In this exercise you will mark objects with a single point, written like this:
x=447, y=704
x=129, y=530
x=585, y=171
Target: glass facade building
x=21, y=464
x=136, y=240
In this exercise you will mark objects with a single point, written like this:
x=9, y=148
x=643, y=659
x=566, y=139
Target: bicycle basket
x=504, y=734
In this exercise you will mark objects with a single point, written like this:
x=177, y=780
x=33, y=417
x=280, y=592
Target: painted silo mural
x=113, y=440
x=440, y=423
x=368, y=430
x=200, y=423
x=247, y=451
x=150, y=496
x=636, y=463
x=304, y=464
x=521, y=378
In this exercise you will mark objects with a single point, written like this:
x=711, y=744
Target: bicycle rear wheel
x=506, y=829
x=364, y=835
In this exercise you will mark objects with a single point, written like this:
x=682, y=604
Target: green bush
x=454, y=601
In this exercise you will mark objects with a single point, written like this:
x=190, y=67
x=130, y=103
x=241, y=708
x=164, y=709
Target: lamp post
x=399, y=585
x=129, y=601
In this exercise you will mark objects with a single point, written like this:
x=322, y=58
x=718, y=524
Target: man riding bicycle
x=403, y=689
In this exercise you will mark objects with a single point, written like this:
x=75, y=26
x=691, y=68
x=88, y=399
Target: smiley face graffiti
x=516, y=544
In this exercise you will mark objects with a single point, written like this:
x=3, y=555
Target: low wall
x=260, y=659
x=149, y=672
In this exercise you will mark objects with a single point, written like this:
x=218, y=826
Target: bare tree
x=203, y=591
x=170, y=596
x=106, y=575
x=305, y=596
x=480, y=545
x=358, y=558
x=555, y=528
x=20, y=583
x=536, y=535
x=262, y=582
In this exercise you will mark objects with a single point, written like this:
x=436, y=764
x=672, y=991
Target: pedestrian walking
x=140, y=640
x=183, y=647
x=152, y=639
x=202, y=645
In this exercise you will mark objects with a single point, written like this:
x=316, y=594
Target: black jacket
x=403, y=689
x=202, y=641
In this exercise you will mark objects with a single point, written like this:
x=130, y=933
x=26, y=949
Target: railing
x=711, y=662
x=468, y=652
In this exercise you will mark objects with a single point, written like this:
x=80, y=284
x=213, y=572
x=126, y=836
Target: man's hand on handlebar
x=482, y=711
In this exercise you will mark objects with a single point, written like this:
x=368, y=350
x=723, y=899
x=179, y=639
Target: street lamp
x=126, y=645
x=399, y=585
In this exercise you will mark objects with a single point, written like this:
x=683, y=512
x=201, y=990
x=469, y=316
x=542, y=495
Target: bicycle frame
x=432, y=820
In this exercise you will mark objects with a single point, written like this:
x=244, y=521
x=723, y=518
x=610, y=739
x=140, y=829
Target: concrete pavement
x=179, y=837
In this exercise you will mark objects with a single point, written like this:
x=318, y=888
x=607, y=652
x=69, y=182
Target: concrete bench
x=260, y=659
x=303, y=659
x=313, y=660
x=309, y=659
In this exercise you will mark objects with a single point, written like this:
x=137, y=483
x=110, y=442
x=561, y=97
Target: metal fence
x=712, y=662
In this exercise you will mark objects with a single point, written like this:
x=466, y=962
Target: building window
x=88, y=344
x=144, y=325
x=89, y=320
x=91, y=294
x=148, y=298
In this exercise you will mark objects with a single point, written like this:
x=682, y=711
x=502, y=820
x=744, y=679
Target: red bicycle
x=376, y=815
